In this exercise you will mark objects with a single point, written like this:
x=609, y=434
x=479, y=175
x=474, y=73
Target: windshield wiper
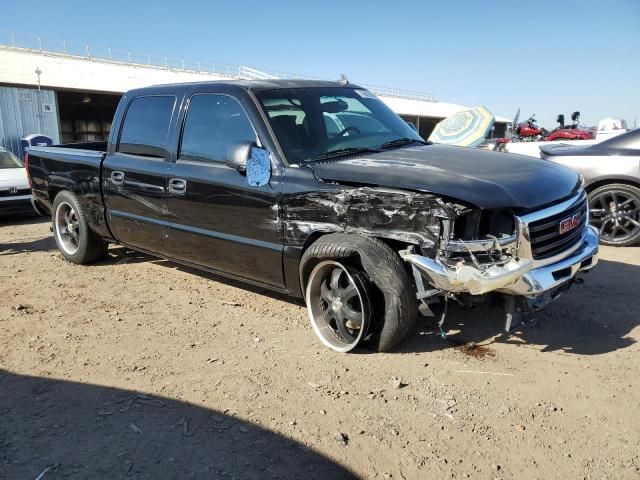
x=401, y=142
x=343, y=152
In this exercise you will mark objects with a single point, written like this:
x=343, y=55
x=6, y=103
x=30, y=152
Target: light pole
x=38, y=73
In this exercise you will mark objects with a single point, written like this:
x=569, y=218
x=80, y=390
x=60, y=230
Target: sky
x=542, y=57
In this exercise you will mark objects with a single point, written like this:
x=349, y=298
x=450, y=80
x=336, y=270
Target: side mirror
x=238, y=154
x=413, y=126
x=252, y=161
x=560, y=120
x=575, y=116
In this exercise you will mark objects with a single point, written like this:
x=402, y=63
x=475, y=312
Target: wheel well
x=53, y=192
x=607, y=181
x=311, y=239
x=304, y=270
x=396, y=245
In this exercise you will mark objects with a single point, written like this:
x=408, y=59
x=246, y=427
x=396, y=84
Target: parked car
x=612, y=173
x=15, y=192
x=243, y=179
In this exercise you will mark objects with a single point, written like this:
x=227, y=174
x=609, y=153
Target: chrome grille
x=546, y=236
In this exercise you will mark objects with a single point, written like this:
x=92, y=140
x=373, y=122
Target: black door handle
x=117, y=178
x=177, y=186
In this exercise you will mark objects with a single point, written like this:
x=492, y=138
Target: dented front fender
x=406, y=216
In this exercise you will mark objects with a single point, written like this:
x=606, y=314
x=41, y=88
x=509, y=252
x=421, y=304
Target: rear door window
x=214, y=123
x=146, y=126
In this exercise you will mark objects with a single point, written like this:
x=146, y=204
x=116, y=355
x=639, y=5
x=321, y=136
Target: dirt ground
x=138, y=368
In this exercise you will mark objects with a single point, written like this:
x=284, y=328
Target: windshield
x=9, y=160
x=315, y=123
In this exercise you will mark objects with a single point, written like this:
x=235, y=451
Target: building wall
x=18, y=67
x=23, y=67
x=24, y=111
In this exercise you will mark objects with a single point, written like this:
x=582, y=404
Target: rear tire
x=75, y=240
x=385, y=288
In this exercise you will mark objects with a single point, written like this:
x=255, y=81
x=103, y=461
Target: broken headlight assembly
x=479, y=237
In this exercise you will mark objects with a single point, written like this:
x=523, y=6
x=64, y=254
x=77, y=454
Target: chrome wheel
x=67, y=228
x=616, y=214
x=338, y=305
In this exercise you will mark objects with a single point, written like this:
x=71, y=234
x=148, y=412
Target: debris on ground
x=396, y=382
x=342, y=438
x=474, y=350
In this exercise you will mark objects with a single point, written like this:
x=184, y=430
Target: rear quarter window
x=146, y=126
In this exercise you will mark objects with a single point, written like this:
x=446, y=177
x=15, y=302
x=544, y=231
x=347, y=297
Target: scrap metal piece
x=517, y=310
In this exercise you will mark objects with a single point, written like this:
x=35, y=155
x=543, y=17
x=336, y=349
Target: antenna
x=343, y=79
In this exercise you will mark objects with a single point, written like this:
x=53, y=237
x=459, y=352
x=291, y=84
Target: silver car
x=611, y=170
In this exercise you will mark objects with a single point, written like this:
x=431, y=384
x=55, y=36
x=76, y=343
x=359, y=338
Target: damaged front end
x=531, y=257
x=457, y=251
x=477, y=254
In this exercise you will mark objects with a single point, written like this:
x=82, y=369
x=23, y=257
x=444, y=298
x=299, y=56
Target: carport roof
x=406, y=106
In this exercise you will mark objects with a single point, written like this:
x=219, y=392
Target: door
x=135, y=175
x=217, y=220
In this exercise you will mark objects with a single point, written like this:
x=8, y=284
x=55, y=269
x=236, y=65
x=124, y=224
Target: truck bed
x=74, y=167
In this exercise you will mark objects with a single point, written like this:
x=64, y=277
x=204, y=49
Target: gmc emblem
x=570, y=223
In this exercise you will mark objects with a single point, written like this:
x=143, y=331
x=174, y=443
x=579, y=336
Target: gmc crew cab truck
x=319, y=190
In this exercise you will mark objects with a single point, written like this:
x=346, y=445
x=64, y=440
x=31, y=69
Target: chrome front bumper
x=517, y=277
x=550, y=277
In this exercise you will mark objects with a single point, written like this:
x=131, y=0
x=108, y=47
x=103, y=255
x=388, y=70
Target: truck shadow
x=23, y=219
x=80, y=430
x=43, y=244
x=593, y=318
x=118, y=255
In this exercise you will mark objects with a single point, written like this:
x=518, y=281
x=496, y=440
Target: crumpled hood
x=483, y=178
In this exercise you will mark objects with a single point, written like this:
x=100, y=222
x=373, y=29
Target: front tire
x=384, y=293
x=615, y=211
x=339, y=305
x=75, y=240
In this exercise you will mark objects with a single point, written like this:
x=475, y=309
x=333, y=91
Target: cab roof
x=251, y=85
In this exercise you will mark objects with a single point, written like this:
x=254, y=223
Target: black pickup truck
x=319, y=190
